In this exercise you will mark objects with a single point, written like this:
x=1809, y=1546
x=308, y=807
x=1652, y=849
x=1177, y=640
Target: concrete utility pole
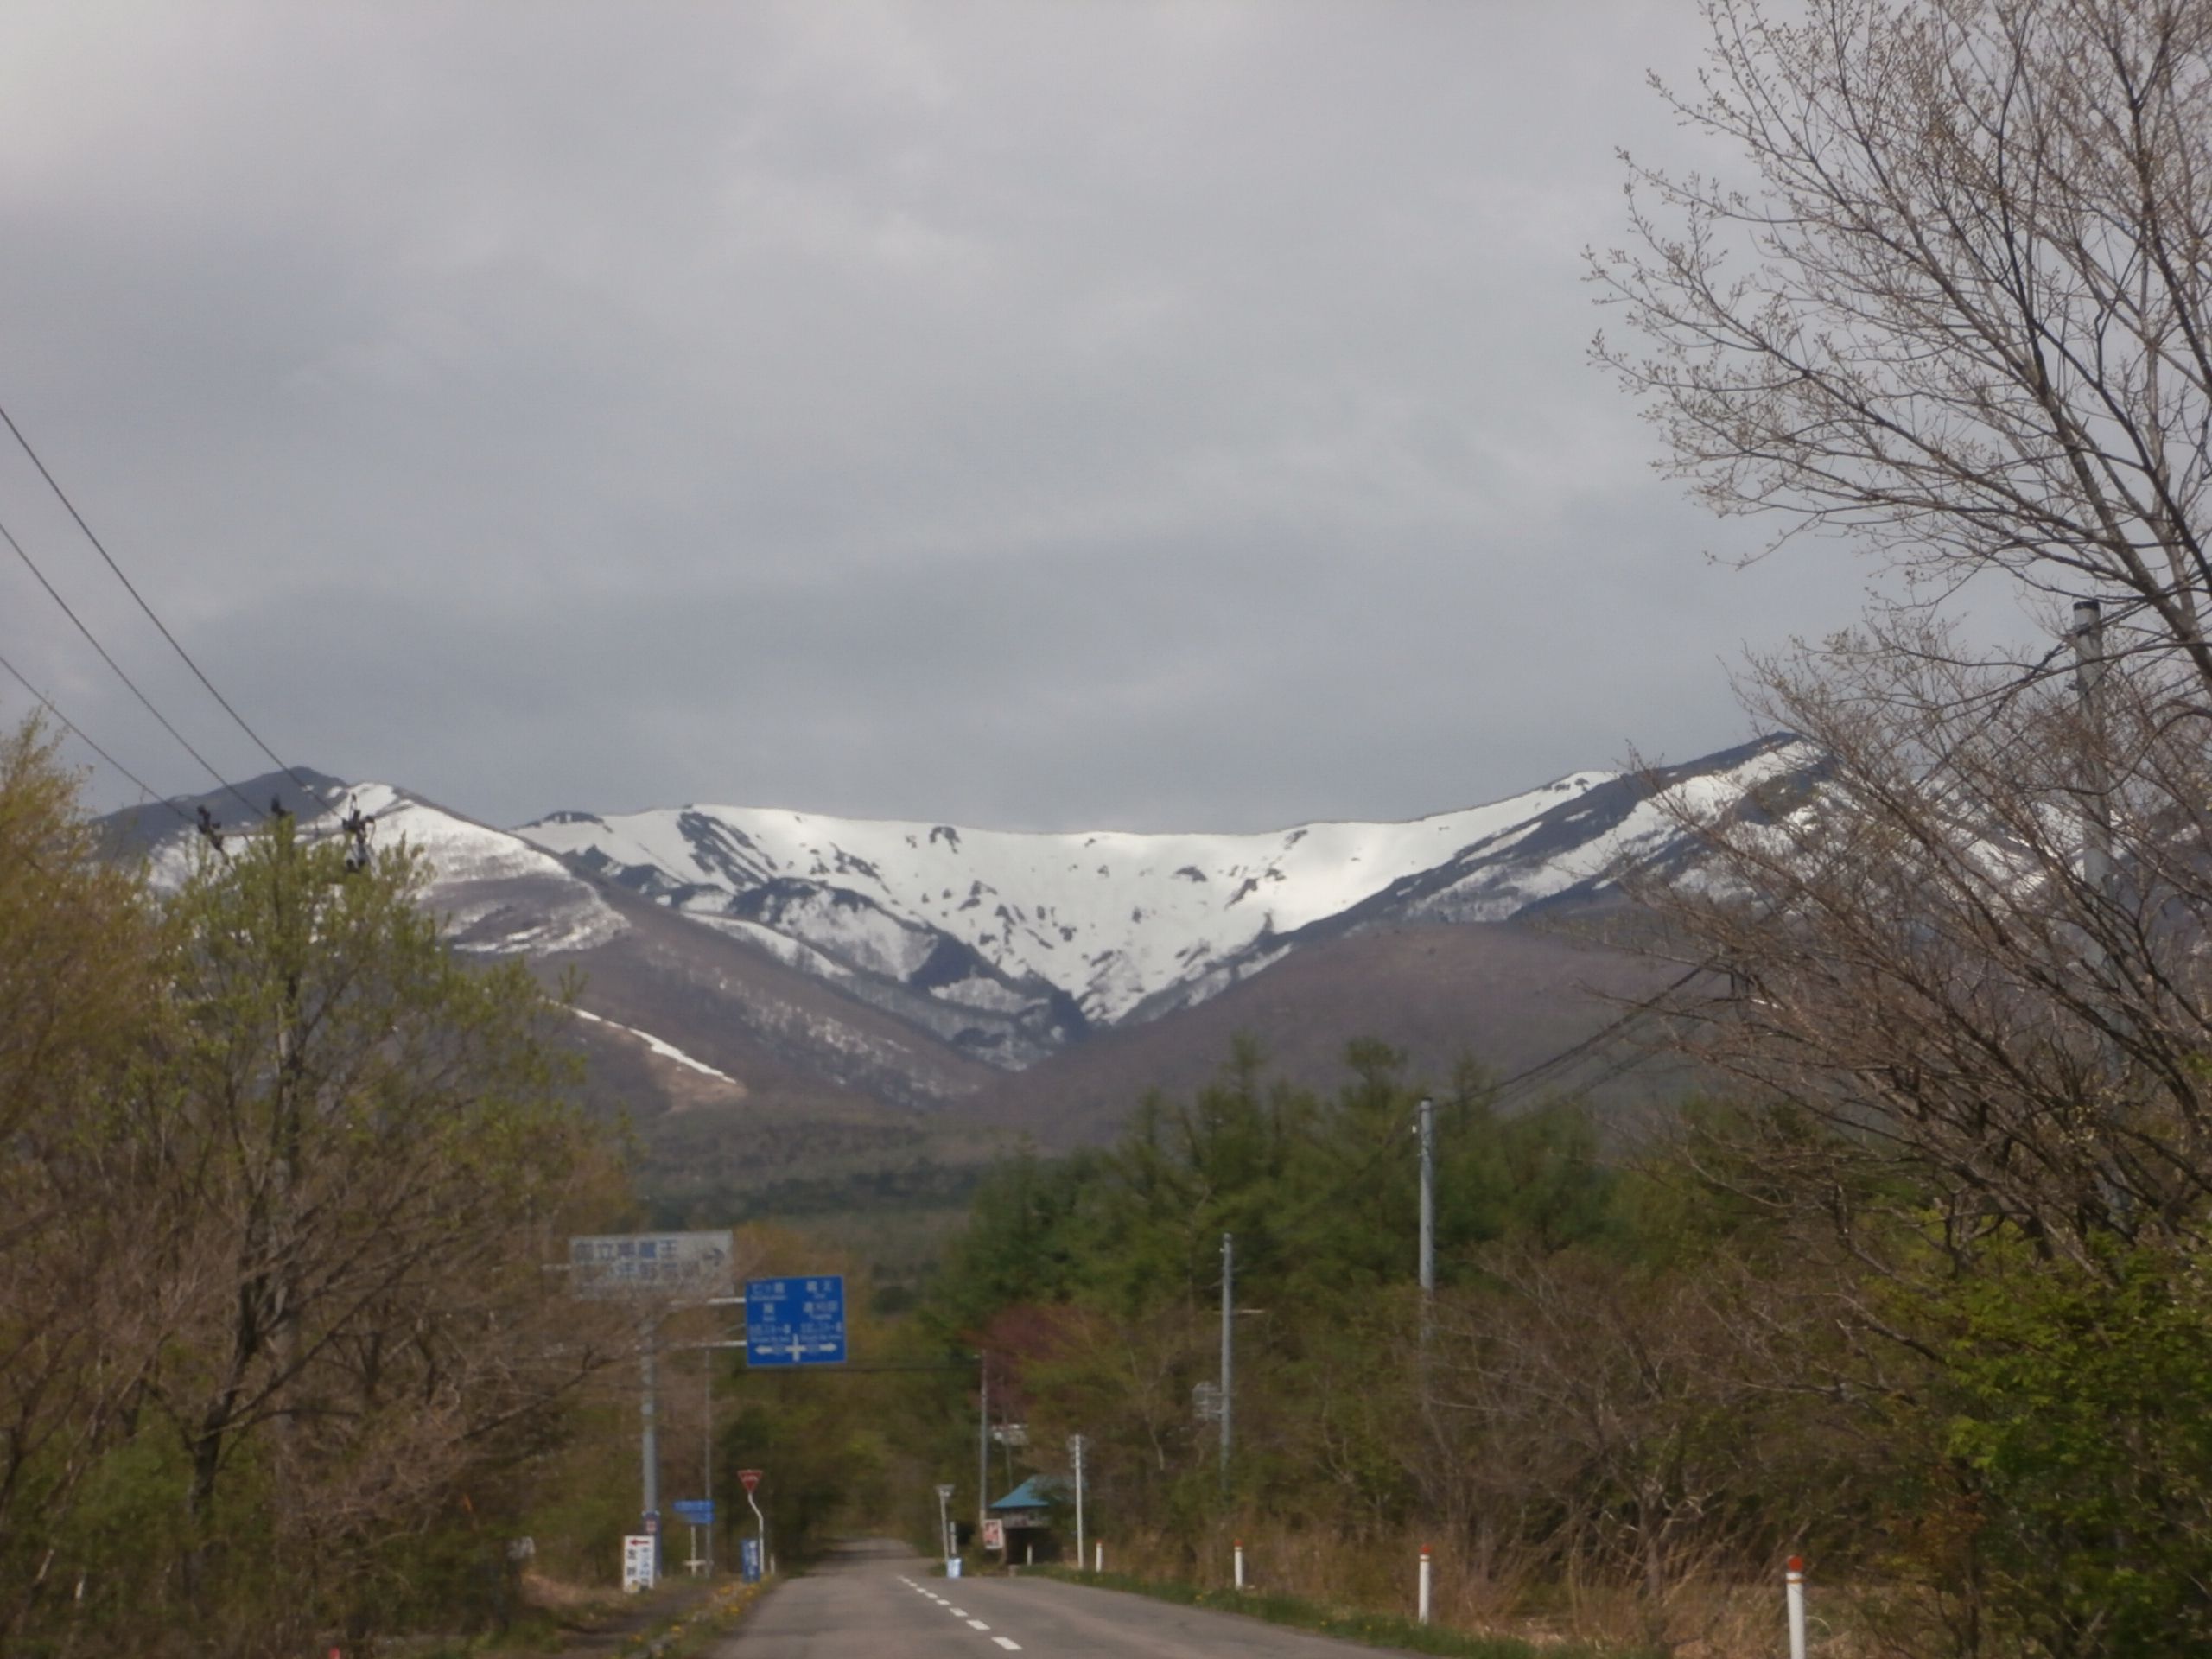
x=1228, y=1349
x=1425, y=1116
x=2096, y=839
x=982, y=1446
x=1075, y=1446
x=2096, y=783
x=707, y=1453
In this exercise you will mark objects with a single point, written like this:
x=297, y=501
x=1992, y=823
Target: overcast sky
x=1032, y=415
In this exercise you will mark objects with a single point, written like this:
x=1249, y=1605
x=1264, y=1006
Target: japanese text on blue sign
x=795, y=1321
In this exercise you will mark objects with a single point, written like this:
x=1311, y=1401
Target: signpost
x=638, y=1562
x=654, y=1271
x=695, y=1513
x=944, y=1523
x=750, y=1479
x=689, y=1267
x=795, y=1321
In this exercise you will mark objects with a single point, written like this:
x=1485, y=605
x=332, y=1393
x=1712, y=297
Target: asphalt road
x=877, y=1599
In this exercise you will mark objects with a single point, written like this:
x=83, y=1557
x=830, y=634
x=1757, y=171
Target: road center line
x=1011, y=1647
x=979, y=1624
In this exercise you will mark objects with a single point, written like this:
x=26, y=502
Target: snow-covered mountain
x=498, y=894
x=1013, y=944
x=886, y=959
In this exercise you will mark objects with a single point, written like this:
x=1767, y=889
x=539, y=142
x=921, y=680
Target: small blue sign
x=695, y=1511
x=749, y=1560
x=795, y=1321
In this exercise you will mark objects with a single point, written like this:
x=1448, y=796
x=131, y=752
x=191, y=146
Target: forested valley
x=1650, y=1373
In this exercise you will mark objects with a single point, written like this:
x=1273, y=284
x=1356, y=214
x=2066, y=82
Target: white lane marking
x=979, y=1624
x=1011, y=1647
x=960, y=1612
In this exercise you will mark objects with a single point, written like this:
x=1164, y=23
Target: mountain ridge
x=759, y=979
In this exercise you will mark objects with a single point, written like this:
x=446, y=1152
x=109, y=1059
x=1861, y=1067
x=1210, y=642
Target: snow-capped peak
x=1109, y=917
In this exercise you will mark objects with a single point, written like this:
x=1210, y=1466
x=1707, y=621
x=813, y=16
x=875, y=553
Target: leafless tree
x=1963, y=313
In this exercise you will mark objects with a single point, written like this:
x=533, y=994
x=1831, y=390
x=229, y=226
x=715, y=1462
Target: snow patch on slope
x=1111, y=917
x=665, y=1050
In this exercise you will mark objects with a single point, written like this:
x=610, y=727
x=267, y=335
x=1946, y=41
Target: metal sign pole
x=707, y=1451
x=649, y=1439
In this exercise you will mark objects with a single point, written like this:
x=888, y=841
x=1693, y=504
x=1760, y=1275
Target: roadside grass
x=1373, y=1628
x=688, y=1635
x=539, y=1636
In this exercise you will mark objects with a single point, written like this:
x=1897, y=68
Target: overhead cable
x=78, y=733
x=131, y=588
x=53, y=592
x=1496, y=1094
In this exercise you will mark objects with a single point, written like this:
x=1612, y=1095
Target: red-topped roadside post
x=1794, y=1581
x=1421, y=1605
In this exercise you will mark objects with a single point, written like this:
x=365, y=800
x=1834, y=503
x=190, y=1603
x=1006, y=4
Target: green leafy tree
x=83, y=1315
x=344, y=1155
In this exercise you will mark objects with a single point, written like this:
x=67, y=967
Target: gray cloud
x=1051, y=416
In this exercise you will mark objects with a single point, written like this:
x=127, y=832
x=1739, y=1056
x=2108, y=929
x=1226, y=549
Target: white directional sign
x=638, y=1562
x=683, y=1265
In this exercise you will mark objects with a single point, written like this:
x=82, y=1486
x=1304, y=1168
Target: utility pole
x=649, y=1439
x=1228, y=1350
x=2096, y=783
x=1075, y=1446
x=2096, y=851
x=1425, y=1116
x=983, y=1446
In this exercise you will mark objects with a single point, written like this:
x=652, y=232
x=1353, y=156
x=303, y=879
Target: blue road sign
x=695, y=1511
x=749, y=1560
x=795, y=1321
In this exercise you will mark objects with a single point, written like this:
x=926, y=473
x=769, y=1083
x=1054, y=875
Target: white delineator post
x=1423, y=1600
x=1795, y=1580
x=1099, y=1555
x=1240, y=1563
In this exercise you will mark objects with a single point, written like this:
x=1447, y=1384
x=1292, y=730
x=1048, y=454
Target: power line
x=79, y=732
x=54, y=594
x=1610, y=1028
x=1497, y=1094
x=131, y=588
